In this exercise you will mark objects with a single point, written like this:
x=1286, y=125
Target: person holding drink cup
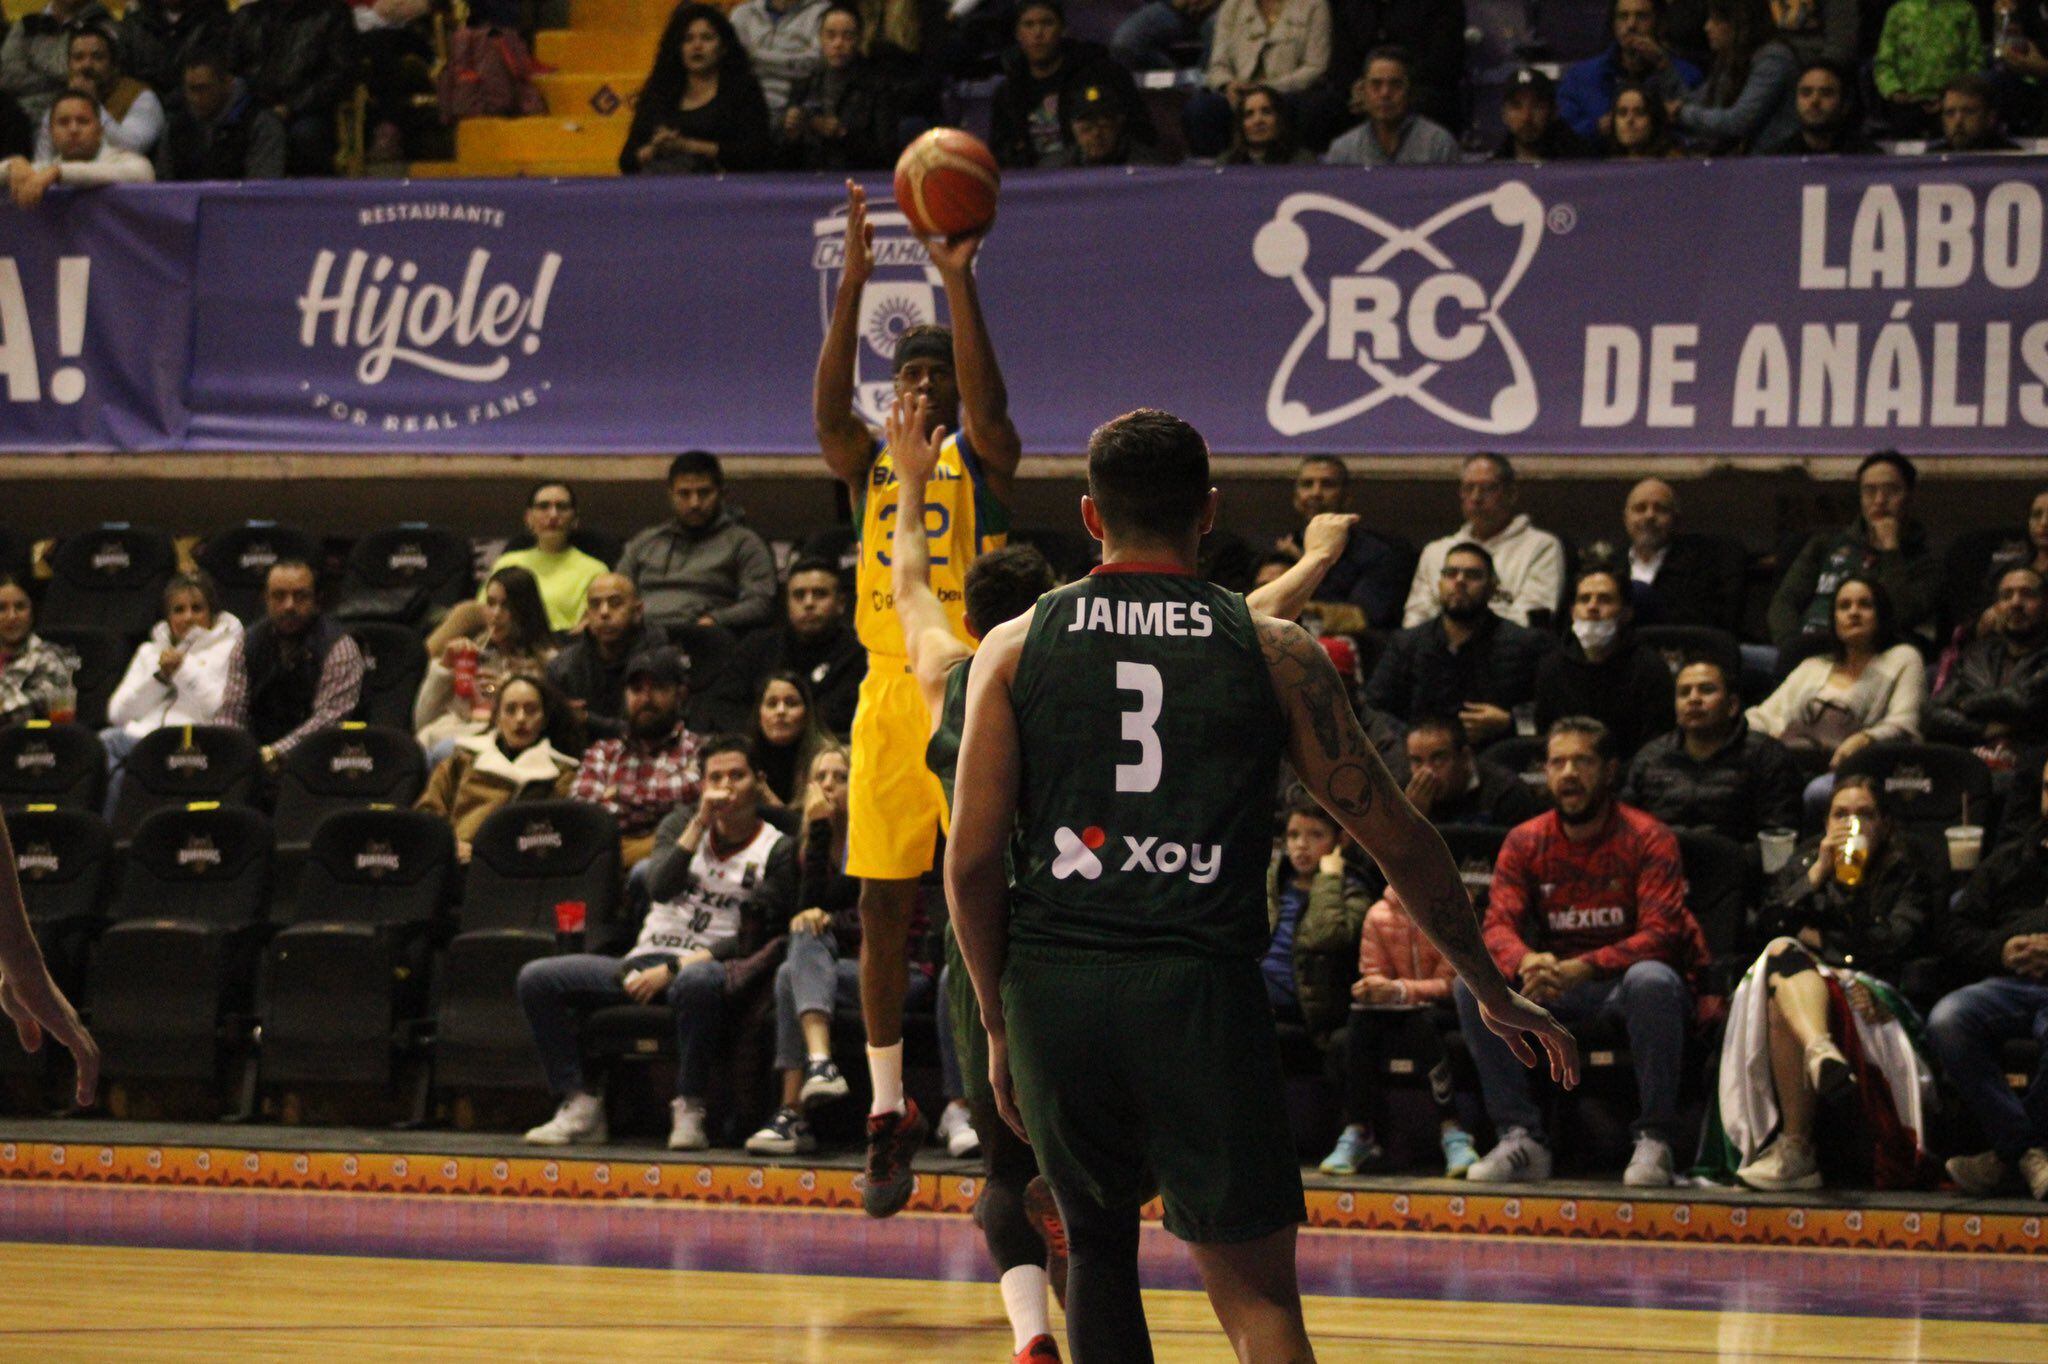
x=34, y=673
x=1814, y=1020
x=468, y=662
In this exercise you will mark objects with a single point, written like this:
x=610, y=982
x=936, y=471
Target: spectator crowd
x=195, y=91
x=1706, y=812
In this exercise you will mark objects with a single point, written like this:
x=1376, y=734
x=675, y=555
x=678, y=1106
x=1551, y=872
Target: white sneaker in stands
x=580, y=1120
x=956, y=1129
x=1650, y=1166
x=687, y=1131
x=1518, y=1157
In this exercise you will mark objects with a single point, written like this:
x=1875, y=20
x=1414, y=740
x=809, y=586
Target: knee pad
x=1012, y=1240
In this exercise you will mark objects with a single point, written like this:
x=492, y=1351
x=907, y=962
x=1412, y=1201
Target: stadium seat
x=1719, y=878
x=111, y=578
x=347, y=768
x=344, y=990
x=526, y=858
x=1475, y=848
x=102, y=658
x=1677, y=642
x=1929, y=786
x=180, y=764
x=238, y=560
x=1521, y=754
x=394, y=661
x=57, y=765
x=65, y=861
x=405, y=575
x=179, y=960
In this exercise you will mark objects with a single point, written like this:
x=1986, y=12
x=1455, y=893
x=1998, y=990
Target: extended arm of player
x=1340, y=768
x=27, y=993
x=927, y=634
x=984, y=812
x=984, y=401
x=845, y=440
x=1287, y=596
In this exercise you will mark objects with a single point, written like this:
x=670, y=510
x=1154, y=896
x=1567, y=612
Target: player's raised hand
x=860, y=238
x=915, y=452
x=954, y=255
x=1327, y=534
x=1515, y=1017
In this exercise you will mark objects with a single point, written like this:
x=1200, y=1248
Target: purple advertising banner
x=1727, y=307
x=96, y=320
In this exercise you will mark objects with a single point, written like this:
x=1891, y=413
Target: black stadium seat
x=1718, y=892
x=1677, y=642
x=526, y=858
x=65, y=861
x=102, y=657
x=180, y=957
x=394, y=661
x=181, y=764
x=708, y=650
x=1475, y=848
x=345, y=988
x=1928, y=786
x=405, y=575
x=46, y=764
x=346, y=768
x=238, y=560
x=111, y=578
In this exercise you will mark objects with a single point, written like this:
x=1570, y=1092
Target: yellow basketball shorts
x=895, y=808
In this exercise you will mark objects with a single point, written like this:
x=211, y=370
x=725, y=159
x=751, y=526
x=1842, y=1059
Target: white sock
x=885, y=1070
x=1024, y=1290
x=819, y=1056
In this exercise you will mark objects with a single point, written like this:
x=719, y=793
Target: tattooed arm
x=1340, y=768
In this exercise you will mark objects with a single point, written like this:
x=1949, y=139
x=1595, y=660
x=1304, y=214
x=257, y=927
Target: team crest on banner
x=1394, y=310
x=902, y=293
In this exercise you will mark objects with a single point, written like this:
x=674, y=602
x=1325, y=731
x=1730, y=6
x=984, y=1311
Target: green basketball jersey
x=942, y=753
x=1150, y=743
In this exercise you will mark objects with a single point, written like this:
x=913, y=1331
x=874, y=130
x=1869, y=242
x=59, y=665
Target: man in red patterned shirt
x=1587, y=913
x=653, y=769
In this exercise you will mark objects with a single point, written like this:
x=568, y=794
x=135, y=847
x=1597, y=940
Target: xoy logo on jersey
x=1075, y=856
x=1393, y=305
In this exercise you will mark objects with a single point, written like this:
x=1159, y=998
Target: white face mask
x=1595, y=635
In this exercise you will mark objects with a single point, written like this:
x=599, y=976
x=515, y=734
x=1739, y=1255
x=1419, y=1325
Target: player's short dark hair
x=1602, y=737
x=926, y=341
x=564, y=485
x=698, y=462
x=724, y=743
x=1445, y=725
x=1148, y=473
x=1892, y=457
x=1300, y=802
x=1005, y=583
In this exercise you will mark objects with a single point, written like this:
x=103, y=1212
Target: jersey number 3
x=1141, y=727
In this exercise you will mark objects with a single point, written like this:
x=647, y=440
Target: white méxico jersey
x=708, y=912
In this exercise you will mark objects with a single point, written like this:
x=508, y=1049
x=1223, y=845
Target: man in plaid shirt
x=653, y=768
x=294, y=673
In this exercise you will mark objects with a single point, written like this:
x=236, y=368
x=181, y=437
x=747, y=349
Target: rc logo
x=1404, y=313
x=1077, y=853
x=902, y=293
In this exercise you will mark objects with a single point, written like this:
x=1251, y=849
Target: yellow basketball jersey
x=962, y=520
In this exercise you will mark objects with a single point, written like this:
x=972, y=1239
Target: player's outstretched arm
x=984, y=400
x=844, y=438
x=27, y=994
x=1322, y=544
x=1341, y=769
x=984, y=812
x=927, y=634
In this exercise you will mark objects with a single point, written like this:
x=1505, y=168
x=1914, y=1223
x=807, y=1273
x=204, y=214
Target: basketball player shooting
x=31, y=999
x=894, y=802
x=1122, y=742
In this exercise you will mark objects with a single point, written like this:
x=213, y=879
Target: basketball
x=946, y=183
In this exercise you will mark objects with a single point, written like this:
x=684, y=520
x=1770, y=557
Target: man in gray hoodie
x=705, y=567
x=781, y=39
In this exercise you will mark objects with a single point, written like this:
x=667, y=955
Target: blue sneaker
x=1355, y=1148
x=1460, y=1154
